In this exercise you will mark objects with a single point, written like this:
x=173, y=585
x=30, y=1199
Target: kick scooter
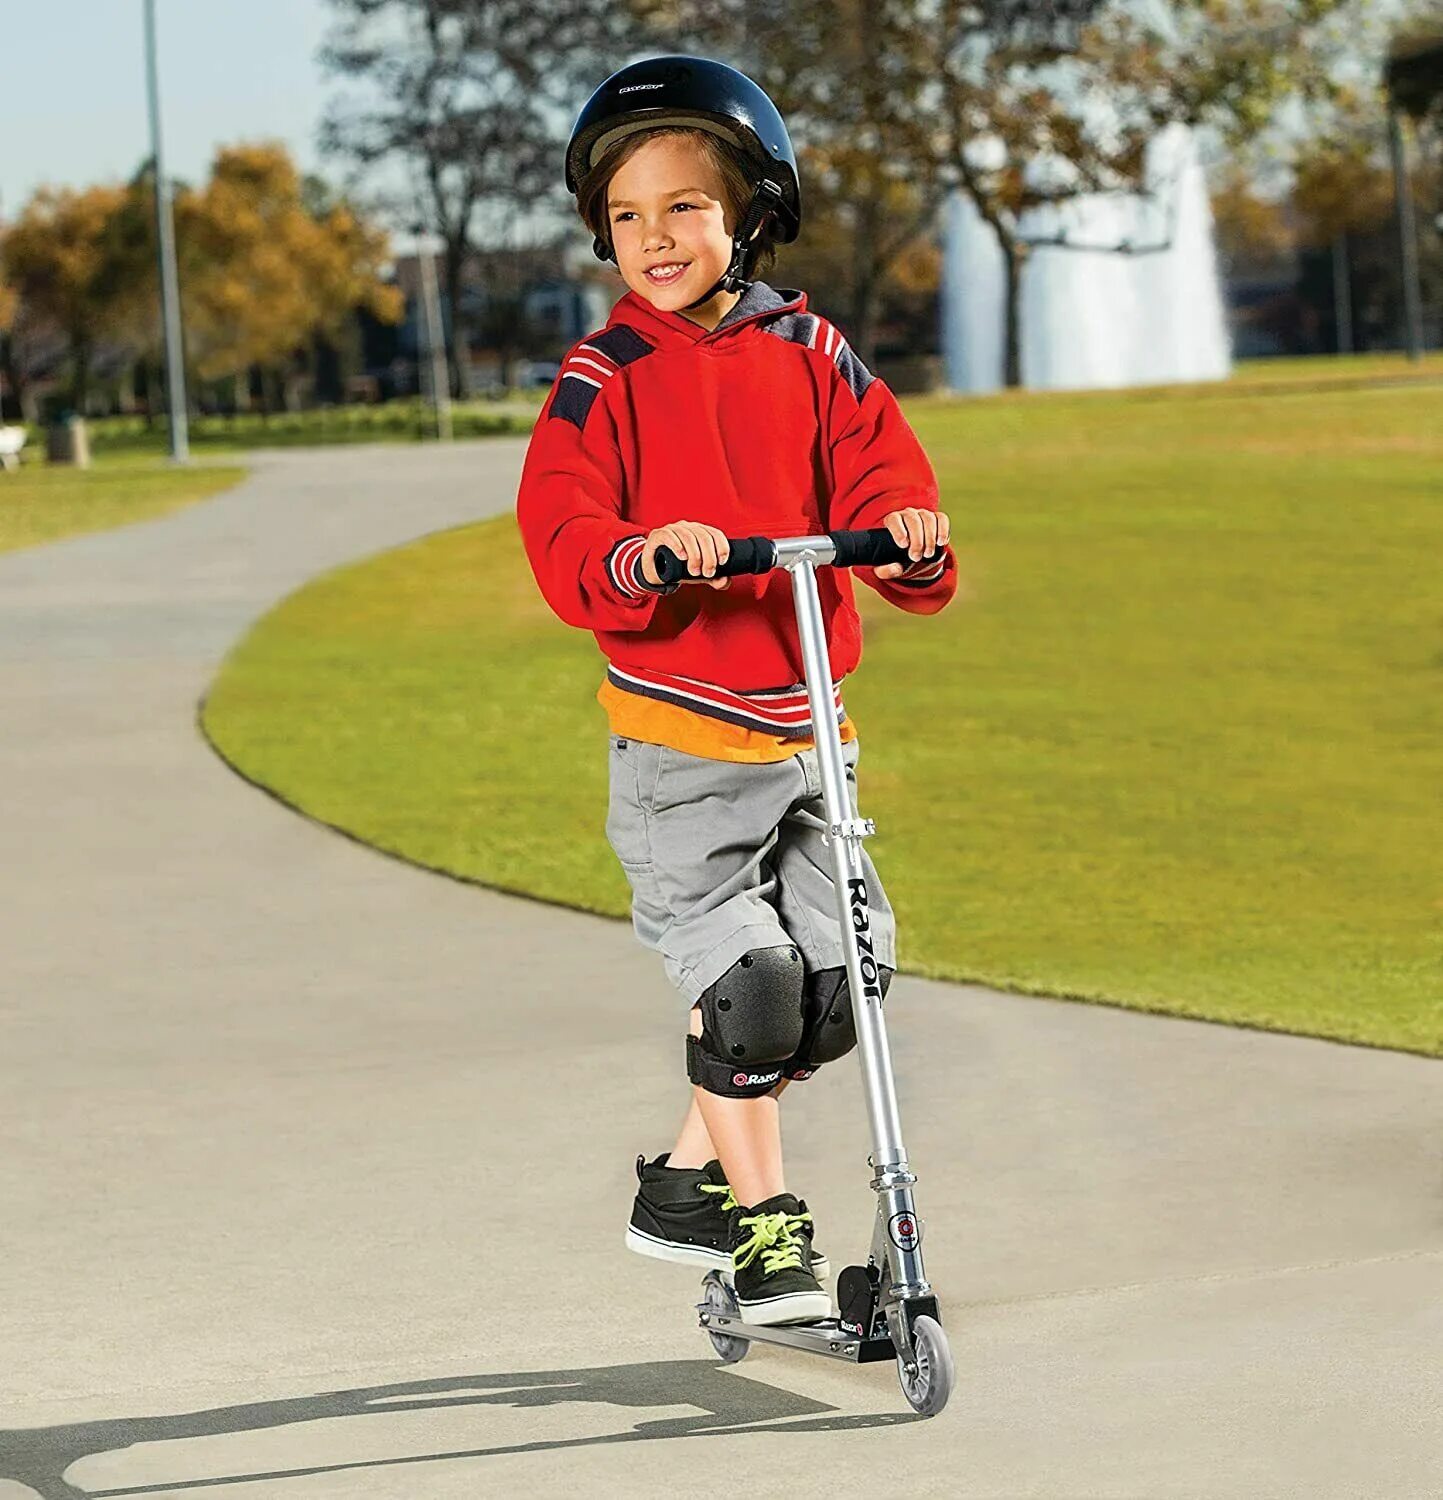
x=886, y=1309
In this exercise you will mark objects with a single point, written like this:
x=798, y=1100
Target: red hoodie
x=767, y=425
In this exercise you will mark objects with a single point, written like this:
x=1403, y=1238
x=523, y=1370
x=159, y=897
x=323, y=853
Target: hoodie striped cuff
x=623, y=568
x=920, y=574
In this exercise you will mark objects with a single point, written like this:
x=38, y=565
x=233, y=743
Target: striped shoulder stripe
x=827, y=337
x=588, y=367
x=854, y=372
x=813, y=331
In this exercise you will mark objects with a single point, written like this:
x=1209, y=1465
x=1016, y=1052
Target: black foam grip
x=746, y=554
x=872, y=549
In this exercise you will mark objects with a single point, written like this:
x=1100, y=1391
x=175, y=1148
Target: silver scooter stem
x=897, y=1237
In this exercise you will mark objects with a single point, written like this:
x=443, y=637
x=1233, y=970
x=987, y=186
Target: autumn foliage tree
x=62, y=263
x=1344, y=185
x=268, y=260
x=1343, y=199
x=262, y=270
x=9, y=305
x=1328, y=207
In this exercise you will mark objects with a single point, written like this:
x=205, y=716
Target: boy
x=717, y=398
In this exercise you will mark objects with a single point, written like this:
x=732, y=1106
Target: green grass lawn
x=1179, y=746
x=43, y=502
x=1326, y=369
x=409, y=421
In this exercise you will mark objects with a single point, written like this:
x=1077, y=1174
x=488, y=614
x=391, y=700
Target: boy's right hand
x=703, y=547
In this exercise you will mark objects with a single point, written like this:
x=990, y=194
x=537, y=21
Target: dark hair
x=737, y=189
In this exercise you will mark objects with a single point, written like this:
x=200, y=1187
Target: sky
x=72, y=87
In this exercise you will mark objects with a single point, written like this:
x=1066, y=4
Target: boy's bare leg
x=694, y=1146
x=745, y=1135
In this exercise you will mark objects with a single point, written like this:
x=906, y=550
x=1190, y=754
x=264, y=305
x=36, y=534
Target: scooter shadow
x=39, y=1457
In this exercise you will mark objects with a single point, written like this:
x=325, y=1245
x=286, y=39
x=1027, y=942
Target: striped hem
x=913, y=579
x=623, y=568
x=778, y=711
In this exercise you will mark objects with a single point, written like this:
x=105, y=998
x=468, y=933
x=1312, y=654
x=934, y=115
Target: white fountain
x=1095, y=316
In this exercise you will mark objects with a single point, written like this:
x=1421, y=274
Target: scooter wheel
x=717, y=1296
x=927, y=1382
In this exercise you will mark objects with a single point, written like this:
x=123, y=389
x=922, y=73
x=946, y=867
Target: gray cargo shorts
x=725, y=857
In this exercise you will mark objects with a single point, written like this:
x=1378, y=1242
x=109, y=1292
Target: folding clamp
x=854, y=828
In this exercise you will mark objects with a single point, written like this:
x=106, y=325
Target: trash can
x=68, y=443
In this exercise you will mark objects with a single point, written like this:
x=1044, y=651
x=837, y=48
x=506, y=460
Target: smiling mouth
x=673, y=272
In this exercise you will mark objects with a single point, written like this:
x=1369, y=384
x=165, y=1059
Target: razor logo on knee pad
x=742, y=1080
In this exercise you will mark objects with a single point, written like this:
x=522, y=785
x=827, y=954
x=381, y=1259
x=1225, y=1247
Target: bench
x=12, y=440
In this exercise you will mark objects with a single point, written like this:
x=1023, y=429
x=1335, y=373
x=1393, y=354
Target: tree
x=1042, y=102
x=268, y=261
x=1321, y=193
x=1344, y=199
x=1343, y=182
x=9, y=307
x=468, y=101
x=1250, y=227
x=62, y=262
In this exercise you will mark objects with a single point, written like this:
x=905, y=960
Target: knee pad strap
x=751, y=1022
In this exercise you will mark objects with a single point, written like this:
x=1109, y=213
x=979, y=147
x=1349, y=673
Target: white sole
x=682, y=1255
x=795, y=1307
x=696, y=1255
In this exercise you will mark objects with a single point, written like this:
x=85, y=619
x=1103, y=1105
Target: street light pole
x=169, y=282
x=1342, y=293
x=435, y=338
x=1407, y=236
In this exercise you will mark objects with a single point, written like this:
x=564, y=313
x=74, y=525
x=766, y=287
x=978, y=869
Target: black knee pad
x=751, y=1022
x=829, y=1029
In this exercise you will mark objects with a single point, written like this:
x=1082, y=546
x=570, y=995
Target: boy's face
x=665, y=208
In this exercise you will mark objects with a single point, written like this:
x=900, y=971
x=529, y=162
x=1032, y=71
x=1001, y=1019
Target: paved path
x=314, y=1167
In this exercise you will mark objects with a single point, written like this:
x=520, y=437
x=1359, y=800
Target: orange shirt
x=635, y=717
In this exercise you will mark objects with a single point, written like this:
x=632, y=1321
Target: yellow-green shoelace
x=729, y=1202
x=774, y=1237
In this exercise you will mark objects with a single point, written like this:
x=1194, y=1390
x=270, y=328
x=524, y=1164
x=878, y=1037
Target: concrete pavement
x=314, y=1167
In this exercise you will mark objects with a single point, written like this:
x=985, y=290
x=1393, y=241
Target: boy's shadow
x=38, y=1457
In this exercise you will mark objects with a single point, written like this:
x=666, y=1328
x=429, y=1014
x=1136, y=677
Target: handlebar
x=758, y=554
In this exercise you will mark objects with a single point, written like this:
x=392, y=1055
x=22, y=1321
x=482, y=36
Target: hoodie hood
x=670, y=330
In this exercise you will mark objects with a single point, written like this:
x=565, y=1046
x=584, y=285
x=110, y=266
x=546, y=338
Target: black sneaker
x=683, y=1214
x=676, y=1214
x=770, y=1245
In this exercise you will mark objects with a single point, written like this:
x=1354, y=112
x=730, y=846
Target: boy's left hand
x=920, y=531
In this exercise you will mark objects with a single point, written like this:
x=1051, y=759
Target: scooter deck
x=825, y=1336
